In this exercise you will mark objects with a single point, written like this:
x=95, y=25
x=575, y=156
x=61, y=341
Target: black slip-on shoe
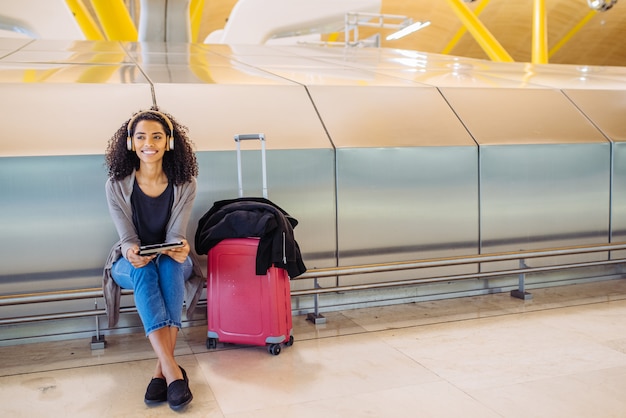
x=185, y=378
x=156, y=391
x=178, y=394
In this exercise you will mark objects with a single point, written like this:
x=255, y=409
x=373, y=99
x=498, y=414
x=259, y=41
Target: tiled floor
x=561, y=354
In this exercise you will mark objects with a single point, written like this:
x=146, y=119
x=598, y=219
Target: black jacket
x=253, y=217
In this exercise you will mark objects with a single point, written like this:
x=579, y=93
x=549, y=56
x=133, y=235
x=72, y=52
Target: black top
x=151, y=214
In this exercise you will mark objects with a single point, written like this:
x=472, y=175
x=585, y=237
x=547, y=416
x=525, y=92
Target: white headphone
x=130, y=145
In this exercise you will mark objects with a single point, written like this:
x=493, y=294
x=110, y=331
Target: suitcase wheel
x=211, y=343
x=290, y=342
x=274, y=349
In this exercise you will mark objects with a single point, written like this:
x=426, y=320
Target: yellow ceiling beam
x=481, y=34
x=196, y=7
x=85, y=21
x=540, y=33
x=115, y=20
x=459, y=34
x=572, y=32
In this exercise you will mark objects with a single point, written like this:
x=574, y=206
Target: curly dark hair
x=179, y=164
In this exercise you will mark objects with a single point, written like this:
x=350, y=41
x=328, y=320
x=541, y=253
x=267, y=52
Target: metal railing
x=520, y=256
x=316, y=274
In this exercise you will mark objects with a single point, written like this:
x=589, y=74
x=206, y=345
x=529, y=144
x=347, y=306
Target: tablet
x=157, y=248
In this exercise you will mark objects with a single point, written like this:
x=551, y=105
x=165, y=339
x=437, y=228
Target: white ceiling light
x=402, y=24
x=408, y=30
x=601, y=5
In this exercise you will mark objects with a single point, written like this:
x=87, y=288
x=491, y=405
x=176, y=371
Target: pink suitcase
x=243, y=307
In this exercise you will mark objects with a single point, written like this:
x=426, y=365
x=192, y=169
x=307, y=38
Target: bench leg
x=97, y=341
x=520, y=292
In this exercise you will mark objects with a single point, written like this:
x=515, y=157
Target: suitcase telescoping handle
x=246, y=137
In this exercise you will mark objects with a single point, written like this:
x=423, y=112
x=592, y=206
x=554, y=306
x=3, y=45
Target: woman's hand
x=138, y=261
x=179, y=254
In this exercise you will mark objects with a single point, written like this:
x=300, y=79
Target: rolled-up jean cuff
x=163, y=324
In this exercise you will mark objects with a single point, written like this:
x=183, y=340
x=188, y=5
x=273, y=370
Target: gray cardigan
x=118, y=197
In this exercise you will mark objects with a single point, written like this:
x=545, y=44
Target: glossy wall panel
x=544, y=170
x=607, y=110
x=543, y=196
x=214, y=113
x=406, y=175
x=388, y=116
x=56, y=229
x=618, y=219
x=521, y=116
x=65, y=119
x=398, y=204
x=604, y=108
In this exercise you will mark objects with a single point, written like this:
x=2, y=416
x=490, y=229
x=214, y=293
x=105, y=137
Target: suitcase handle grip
x=245, y=137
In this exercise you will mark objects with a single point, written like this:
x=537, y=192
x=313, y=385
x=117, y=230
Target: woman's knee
x=169, y=267
x=146, y=274
x=164, y=261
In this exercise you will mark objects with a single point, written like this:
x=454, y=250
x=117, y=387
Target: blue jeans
x=159, y=289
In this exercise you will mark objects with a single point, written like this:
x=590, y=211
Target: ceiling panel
x=598, y=42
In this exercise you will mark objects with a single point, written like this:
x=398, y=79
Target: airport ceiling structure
x=576, y=32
